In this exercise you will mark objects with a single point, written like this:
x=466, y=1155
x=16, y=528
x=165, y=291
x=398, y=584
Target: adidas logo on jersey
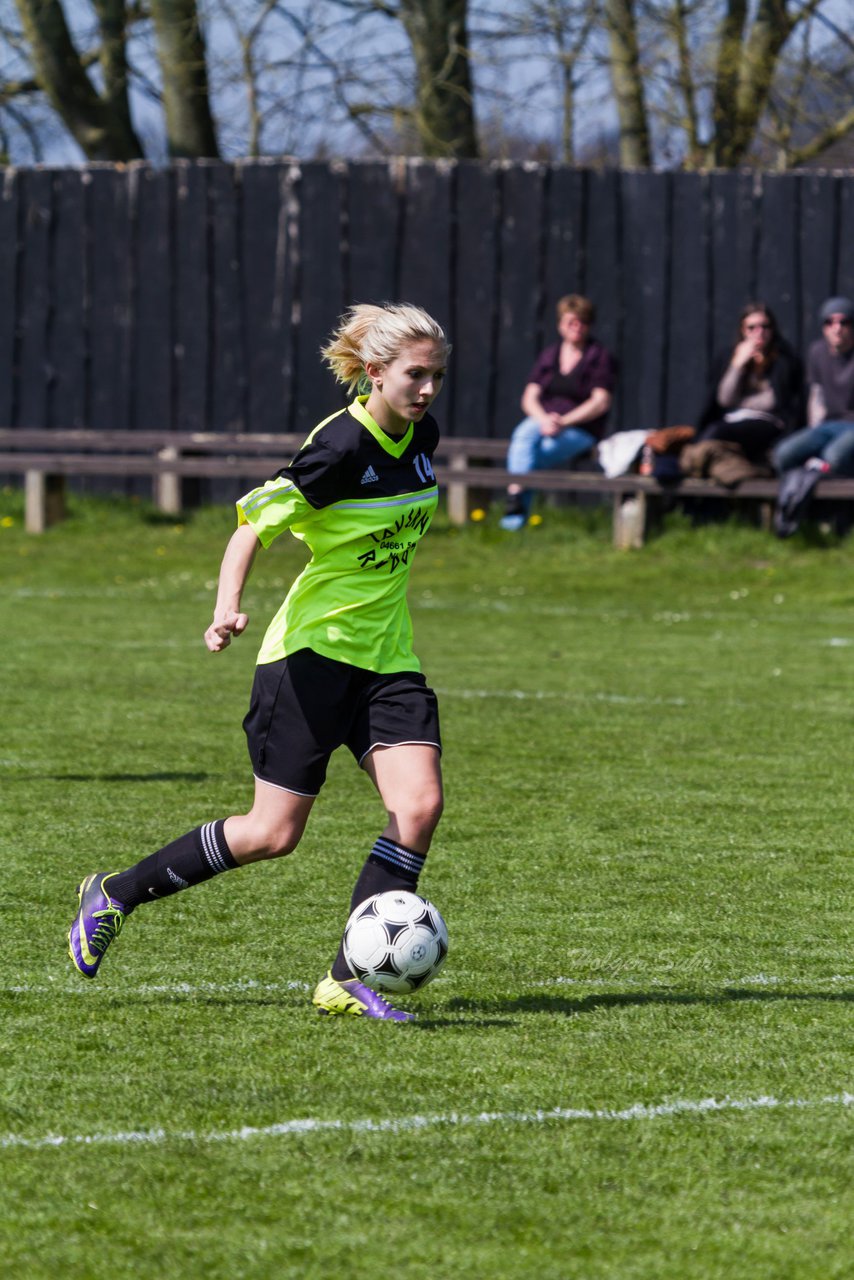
x=370, y=476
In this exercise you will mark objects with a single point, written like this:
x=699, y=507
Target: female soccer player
x=336, y=664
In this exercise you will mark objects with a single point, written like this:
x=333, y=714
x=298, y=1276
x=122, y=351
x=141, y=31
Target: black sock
x=191, y=859
x=389, y=866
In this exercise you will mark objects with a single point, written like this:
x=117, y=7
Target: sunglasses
x=844, y=322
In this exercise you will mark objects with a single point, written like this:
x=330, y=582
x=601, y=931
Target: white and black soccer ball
x=395, y=941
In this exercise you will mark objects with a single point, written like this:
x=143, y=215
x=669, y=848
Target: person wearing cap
x=826, y=444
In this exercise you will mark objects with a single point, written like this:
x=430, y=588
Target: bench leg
x=167, y=485
x=458, y=494
x=44, y=501
x=630, y=520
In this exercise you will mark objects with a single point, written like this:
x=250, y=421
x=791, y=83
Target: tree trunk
x=112, y=19
x=181, y=52
x=747, y=64
x=444, y=110
x=726, y=80
x=771, y=29
x=100, y=126
x=626, y=77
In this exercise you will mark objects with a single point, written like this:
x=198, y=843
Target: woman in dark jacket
x=756, y=395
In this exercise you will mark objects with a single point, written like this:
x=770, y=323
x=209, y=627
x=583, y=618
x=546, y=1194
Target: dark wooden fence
x=196, y=297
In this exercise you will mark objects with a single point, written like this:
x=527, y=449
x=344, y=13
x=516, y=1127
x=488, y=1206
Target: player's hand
x=219, y=633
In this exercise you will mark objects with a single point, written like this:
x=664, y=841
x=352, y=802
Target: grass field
x=637, y=1062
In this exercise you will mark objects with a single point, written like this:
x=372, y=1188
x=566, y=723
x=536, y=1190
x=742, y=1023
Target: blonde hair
x=376, y=333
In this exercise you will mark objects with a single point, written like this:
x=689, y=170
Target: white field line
x=250, y=986
x=754, y=980
x=413, y=1123
x=560, y=695
x=74, y=988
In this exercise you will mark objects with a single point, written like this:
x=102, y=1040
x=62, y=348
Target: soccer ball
x=395, y=941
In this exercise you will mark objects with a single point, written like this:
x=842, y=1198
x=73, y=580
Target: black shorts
x=305, y=706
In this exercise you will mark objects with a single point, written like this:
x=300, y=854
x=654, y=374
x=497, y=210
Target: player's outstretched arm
x=236, y=564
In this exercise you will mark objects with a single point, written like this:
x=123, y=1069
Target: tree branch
x=822, y=141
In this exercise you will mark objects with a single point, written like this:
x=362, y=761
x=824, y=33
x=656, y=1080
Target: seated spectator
x=566, y=402
x=756, y=392
x=827, y=443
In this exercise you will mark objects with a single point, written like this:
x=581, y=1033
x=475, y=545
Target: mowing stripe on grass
x=409, y=1124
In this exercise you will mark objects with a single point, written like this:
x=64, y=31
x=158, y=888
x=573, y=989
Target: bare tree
x=304, y=81
x=86, y=74
x=687, y=83
x=396, y=74
x=555, y=35
x=444, y=102
x=99, y=122
x=722, y=82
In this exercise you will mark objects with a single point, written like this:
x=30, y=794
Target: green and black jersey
x=361, y=501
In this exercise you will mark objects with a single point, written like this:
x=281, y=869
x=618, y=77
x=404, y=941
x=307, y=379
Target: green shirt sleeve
x=273, y=508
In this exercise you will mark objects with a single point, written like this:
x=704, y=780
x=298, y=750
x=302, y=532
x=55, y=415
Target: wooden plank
x=564, y=244
x=601, y=268
x=520, y=333
x=110, y=291
x=151, y=193
x=373, y=217
x=844, y=282
x=778, y=279
x=267, y=253
x=137, y=441
x=321, y=291
x=228, y=374
x=192, y=301
x=425, y=244
x=69, y=331
x=645, y=220
x=133, y=465
x=478, y=475
x=34, y=304
x=427, y=257
x=475, y=300
x=734, y=250
x=818, y=240
x=687, y=340
x=9, y=248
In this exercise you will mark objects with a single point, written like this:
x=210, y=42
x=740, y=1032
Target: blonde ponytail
x=371, y=333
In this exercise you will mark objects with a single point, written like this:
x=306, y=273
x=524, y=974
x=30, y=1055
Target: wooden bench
x=470, y=471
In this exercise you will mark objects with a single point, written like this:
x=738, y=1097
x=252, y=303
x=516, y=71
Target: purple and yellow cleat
x=353, y=997
x=96, y=924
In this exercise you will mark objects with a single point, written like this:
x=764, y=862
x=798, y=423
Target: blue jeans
x=530, y=450
x=831, y=441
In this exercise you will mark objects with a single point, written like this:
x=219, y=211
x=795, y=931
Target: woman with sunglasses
x=757, y=392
